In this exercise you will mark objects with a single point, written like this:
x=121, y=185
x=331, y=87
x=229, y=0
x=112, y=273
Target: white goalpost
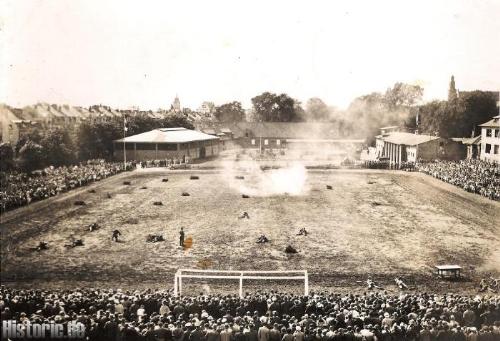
x=240, y=276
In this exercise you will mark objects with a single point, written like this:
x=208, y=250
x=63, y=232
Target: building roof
x=494, y=122
x=69, y=111
x=209, y=131
x=7, y=113
x=55, y=112
x=468, y=140
x=409, y=139
x=168, y=135
x=283, y=130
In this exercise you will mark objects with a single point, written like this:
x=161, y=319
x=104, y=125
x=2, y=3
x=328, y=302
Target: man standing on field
x=181, y=237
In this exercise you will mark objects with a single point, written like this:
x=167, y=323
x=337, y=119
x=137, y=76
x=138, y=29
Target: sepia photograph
x=250, y=170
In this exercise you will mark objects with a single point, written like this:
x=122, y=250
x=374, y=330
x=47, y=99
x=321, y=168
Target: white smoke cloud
x=289, y=179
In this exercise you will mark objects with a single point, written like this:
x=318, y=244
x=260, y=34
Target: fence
x=238, y=275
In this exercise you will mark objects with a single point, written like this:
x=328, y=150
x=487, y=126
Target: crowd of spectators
x=377, y=164
x=169, y=163
x=475, y=176
x=19, y=189
x=159, y=316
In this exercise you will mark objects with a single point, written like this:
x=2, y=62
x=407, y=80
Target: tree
x=270, y=107
x=59, y=147
x=459, y=118
x=6, y=157
x=434, y=117
x=34, y=135
x=174, y=121
x=95, y=139
x=31, y=157
x=473, y=108
x=230, y=112
x=317, y=110
x=403, y=95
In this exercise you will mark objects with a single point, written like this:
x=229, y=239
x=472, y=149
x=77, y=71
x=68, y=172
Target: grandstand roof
x=409, y=139
x=168, y=135
x=494, y=122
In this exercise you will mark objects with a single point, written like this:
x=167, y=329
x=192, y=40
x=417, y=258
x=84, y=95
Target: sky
x=144, y=53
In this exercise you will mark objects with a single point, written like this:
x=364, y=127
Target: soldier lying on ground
x=302, y=232
x=244, y=215
x=262, y=239
x=74, y=243
x=154, y=238
x=400, y=283
x=42, y=246
x=93, y=227
x=372, y=285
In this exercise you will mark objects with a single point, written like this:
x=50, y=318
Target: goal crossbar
x=238, y=275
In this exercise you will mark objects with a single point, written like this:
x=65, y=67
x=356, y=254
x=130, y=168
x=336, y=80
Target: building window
x=253, y=142
x=495, y=149
x=278, y=142
x=487, y=149
x=488, y=132
x=497, y=132
x=266, y=142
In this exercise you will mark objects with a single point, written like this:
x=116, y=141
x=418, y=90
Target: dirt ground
x=378, y=223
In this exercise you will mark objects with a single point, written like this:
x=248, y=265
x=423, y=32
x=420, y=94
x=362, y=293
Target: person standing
x=181, y=237
x=263, y=333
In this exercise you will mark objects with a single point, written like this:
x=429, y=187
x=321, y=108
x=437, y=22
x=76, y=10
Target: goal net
x=240, y=277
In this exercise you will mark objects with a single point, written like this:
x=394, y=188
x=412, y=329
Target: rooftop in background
x=468, y=140
x=168, y=135
x=287, y=130
x=494, y=122
x=409, y=139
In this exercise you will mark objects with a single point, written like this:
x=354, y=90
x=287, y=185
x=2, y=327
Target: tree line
x=400, y=105
x=89, y=140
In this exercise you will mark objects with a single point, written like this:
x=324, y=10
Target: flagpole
x=124, y=150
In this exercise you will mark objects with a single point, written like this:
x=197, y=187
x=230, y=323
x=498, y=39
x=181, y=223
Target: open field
x=372, y=222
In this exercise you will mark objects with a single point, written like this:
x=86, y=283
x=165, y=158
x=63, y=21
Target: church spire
x=176, y=106
x=452, y=92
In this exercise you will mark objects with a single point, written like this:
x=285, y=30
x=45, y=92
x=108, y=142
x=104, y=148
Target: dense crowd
x=476, y=176
x=159, y=316
x=19, y=189
x=169, y=163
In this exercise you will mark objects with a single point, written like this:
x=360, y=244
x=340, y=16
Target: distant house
x=279, y=135
x=400, y=147
x=167, y=143
x=490, y=140
x=13, y=126
x=473, y=145
x=206, y=108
